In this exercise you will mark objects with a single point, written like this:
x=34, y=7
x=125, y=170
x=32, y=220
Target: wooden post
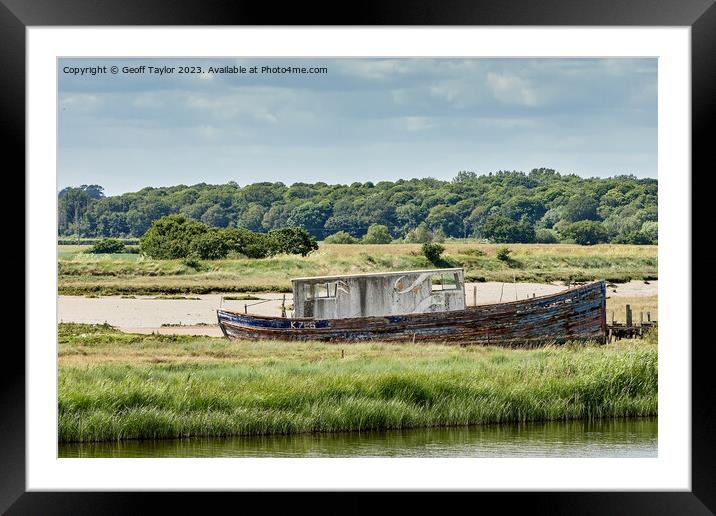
x=648, y=316
x=641, y=318
x=612, y=317
x=283, y=306
x=628, y=316
x=474, y=295
x=246, y=310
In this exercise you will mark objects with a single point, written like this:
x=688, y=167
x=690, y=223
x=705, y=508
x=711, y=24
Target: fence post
x=648, y=316
x=628, y=316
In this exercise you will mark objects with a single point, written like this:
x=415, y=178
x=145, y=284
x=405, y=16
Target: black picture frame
x=700, y=15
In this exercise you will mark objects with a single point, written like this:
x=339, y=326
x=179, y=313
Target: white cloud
x=511, y=89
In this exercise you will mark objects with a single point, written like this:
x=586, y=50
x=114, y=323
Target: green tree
x=377, y=234
x=581, y=207
x=211, y=245
x=170, y=237
x=499, y=228
x=75, y=203
x=586, y=232
x=419, y=235
x=293, y=240
x=341, y=237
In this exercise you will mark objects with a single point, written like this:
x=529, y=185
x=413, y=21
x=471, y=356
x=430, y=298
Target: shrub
x=545, y=236
x=419, y=235
x=503, y=254
x=341, y=237
x=377, y=234
x=211, y=245
x=107, y=246
x=170, y=237
x=433, y=252
x=292, y=240
x=247, y=243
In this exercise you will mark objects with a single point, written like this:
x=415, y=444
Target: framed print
x=420, y=253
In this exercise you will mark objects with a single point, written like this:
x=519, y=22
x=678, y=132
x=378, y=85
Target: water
x=603, y=438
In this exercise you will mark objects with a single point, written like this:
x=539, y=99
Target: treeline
x=540, y=206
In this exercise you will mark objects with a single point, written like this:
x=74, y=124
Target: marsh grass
x=81, y=273
x=114, y=385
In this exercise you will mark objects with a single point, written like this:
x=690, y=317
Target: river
x=600, y=438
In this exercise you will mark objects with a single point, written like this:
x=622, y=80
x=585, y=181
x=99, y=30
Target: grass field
x=81, y=273
x=115, y=386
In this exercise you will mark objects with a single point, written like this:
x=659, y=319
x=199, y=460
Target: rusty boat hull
x=575, y=314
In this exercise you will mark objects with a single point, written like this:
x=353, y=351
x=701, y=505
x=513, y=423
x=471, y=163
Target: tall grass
x=116, y=386
x=132, y=274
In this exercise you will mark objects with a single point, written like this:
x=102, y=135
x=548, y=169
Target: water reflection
x=603, y=438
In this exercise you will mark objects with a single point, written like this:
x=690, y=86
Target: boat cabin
x=379, y=294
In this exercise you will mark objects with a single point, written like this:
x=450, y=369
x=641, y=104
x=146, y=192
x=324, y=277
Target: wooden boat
x=575, y=314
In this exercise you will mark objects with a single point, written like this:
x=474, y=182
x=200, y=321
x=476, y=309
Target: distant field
x=115, y=386
x=80, y=273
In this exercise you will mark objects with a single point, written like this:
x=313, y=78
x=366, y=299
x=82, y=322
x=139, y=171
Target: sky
x=368, y=119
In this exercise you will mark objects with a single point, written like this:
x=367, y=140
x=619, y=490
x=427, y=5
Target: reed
x=115, y=386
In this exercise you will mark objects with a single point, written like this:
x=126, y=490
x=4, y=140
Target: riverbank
x=117, y=386
x=132, y=274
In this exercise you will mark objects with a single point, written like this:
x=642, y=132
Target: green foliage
x=292, y=240
x=503, y=254
x=545, y=236
x=341, y=237
x=433, y=252
x=377, y=234
x=586, y=232
x=174, y=237
x=503, y=206
x=500, y=228
x=171, y=237
x=107, y=246
x=580, y=207
x=419, y=235
x=211, y=245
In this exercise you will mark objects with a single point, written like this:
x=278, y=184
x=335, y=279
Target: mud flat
x=196, y=314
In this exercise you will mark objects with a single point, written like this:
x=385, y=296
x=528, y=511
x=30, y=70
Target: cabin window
x=445, y=281
x=322, y=290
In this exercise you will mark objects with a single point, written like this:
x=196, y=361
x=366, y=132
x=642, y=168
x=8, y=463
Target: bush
x=433, y=252
x=107, y=246
x=545, y=236
x=246, y=242
x=503, y=254
x=586, y=232
x=170, y=237
x=419, y=235
x=211, y=245
x=377, y=234
x=293, y=240
x=177, y=237
x=341, y=237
